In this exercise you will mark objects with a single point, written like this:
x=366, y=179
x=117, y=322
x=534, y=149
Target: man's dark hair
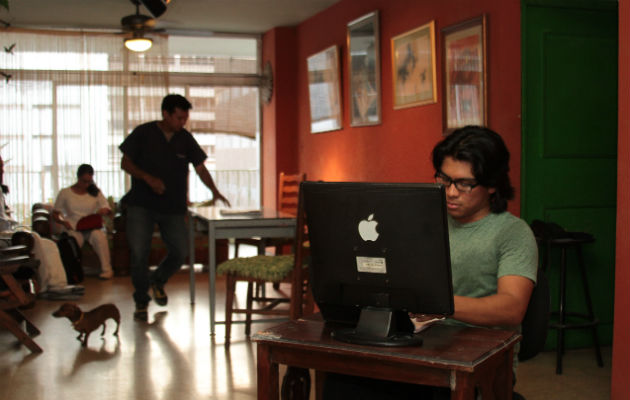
x=173, y=101
x=85, y=169
x=487, y=154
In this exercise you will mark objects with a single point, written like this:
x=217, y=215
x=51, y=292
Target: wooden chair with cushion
x=261, y=269
x=288, y=188
x=13, y=296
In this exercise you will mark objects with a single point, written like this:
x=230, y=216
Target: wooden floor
x=174, y=357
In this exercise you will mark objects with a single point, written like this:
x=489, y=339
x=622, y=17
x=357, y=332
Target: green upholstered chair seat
x=267, y=268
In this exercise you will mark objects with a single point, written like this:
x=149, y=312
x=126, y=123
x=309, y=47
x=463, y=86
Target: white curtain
x=72, y=98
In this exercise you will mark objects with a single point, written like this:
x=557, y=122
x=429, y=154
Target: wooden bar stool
x=563, y=319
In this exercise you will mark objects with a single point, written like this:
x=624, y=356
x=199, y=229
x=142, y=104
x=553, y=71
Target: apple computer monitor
x=379, y=251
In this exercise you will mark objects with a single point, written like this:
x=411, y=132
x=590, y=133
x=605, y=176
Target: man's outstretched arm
x=206, y=178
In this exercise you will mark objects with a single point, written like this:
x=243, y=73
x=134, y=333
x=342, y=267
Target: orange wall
x=399, y=148
x=279, y=141
x=621, y=344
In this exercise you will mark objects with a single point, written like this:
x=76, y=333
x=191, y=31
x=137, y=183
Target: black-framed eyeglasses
x=463, y=185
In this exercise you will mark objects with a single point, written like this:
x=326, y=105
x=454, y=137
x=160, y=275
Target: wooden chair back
x=288, y=190
x=302, y=302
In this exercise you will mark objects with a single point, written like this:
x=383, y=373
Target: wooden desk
x=269, y=223
x=457, y=357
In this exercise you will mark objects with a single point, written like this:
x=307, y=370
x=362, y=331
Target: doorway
x=569, y=132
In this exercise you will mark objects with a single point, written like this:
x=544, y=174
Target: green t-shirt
x=485, y=250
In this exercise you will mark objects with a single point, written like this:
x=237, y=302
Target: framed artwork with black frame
x=465, y=74
x=364, y=70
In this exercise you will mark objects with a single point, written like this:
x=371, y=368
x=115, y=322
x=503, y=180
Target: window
x=73, y=98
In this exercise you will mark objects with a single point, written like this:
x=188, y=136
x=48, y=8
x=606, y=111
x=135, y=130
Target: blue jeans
x=174, y=233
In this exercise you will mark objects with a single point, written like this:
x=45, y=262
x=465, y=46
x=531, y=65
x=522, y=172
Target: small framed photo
x=365, y=70
x=413, y=65
x=324, y=90
x=465, y=74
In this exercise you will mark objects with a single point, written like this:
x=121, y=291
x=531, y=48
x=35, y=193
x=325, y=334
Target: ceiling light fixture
x=138, y=43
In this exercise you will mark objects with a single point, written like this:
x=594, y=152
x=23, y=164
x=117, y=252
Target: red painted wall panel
x=621, y=344
x=268, y=141
x=279, y=117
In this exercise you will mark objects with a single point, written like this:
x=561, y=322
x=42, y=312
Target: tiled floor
x=174, y=357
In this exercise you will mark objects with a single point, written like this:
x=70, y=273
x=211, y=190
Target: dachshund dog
x=86, y=322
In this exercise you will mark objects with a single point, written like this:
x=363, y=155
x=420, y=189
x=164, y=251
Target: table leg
x=504, y=377
x=462, y=386
x=267, y=374
x=320, y=377
x=211, y=274
x=191, y=256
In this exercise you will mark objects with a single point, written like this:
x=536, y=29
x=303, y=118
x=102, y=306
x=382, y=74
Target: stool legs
x=561, y=312
x=590, y=320
x=589, y=305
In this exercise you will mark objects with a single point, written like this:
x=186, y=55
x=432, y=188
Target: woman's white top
x=74, y=206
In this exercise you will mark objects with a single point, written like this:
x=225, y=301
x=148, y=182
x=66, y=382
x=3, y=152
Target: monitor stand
x=380, y=327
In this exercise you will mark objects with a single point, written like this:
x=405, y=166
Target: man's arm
x=132, y=169
x=506, y=308
x=206, y=178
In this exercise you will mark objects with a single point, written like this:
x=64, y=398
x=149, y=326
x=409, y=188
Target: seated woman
x=81, y=200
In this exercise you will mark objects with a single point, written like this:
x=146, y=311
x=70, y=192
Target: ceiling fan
x=138, y=24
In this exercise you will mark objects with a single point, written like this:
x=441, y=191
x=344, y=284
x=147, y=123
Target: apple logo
x=367, y=229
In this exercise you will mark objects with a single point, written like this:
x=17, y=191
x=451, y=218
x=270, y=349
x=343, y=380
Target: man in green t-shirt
x=494, y=256
x=493, y=253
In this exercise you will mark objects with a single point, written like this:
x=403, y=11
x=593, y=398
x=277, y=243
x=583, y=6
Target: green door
x=569, y=160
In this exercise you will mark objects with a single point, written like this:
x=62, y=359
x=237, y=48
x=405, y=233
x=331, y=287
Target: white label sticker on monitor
x=373, y=265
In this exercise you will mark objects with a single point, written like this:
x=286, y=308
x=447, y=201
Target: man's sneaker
x=141, y=314
x=159, y=295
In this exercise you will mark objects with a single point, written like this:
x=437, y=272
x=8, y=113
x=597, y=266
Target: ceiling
x=181, y=17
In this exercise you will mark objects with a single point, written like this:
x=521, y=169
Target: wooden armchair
x=290, y=268
x=13, y=296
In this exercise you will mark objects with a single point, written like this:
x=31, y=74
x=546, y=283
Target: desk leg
x=212, y=274
x=267, y=374
x=462, y=386
x=191, y=256
x=503, y=378
x=320, y=377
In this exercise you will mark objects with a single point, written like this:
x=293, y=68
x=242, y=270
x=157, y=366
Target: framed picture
x=323, y=90
x=465, y=76
x=413, y=65
x=364, y=67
